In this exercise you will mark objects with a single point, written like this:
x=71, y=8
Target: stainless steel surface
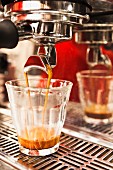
x=102, y=134
x=48, y=54
x=95, y=34
x=98, y=31
x=48, y=20
x=82, y=146
x=94, y=56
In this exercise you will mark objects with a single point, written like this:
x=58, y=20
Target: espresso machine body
x=97, y=32
x=44, y=22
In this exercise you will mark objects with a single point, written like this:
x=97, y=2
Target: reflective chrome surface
x=49, y=55
x=51, y=20
x=95, y=34
x=47, y=22
x=94, y=56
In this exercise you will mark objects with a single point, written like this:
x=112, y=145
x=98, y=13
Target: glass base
x=42, y=152
x=98, y=121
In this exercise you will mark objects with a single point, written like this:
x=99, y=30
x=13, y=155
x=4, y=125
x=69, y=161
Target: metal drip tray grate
x=74, y=152
x=102, y=134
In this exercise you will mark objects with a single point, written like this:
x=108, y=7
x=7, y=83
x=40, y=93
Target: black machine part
x=8, y=34
x=3, y=63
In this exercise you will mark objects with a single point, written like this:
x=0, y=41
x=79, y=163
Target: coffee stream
x=49, y=71
x=39, y=137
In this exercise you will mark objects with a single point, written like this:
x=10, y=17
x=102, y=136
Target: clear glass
x=38, y=113
x=96, y=95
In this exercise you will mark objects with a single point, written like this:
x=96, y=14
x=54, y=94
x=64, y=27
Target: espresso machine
x=47, y=22
x=43, y=22
x=96, y=33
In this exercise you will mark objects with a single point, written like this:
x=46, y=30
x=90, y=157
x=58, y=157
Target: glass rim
x=95, y=74
x=10, y=84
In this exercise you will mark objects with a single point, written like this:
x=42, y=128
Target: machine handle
x=8, y=34
x=100, y=13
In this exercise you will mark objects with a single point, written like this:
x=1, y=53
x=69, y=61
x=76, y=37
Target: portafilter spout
x=94, y=57
x=95, y=35
x=47, y=54
x=45, y=57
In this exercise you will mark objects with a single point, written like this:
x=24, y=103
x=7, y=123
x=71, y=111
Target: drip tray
x=100, y=134
x=82, y=146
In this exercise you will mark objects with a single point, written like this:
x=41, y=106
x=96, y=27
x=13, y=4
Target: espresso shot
x=96, y=95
